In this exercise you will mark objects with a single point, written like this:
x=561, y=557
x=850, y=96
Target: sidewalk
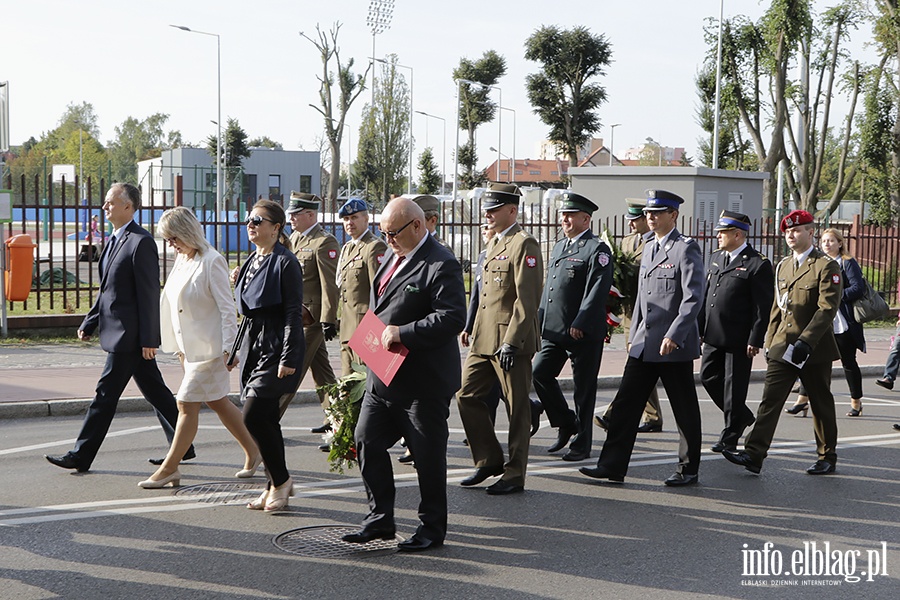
x=59, y=379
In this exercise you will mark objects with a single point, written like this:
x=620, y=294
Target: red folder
x=366, y=342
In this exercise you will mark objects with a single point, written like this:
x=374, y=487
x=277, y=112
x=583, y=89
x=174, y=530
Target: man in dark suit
x=418, y=294
x=572, y=318
x=665, y=340
x=127, y=313
x=733, y=320
x=799, y=342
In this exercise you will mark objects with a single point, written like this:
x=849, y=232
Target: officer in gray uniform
x=665, y=340
x=573, y=324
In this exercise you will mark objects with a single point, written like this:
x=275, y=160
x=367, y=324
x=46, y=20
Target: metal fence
x=66, y=280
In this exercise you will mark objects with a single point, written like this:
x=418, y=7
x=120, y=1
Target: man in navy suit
x=418, y=294
x=127, y=313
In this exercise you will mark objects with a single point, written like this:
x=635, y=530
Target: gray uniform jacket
x=669, y=298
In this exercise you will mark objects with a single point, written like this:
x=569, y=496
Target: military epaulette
x=763, y=256
x=686, y=238
x=524, y=234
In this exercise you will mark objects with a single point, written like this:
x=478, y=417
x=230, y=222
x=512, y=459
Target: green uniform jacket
x=512, y=281
x=318, y=256
x=356, y=271
x=806, y=301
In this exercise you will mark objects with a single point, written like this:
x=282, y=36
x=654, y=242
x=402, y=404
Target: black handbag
x=870, y=307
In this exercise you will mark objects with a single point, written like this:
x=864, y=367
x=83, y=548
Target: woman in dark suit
x=847, y=332
x=269, y=291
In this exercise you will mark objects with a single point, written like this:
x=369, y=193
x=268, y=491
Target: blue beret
x=353, y=206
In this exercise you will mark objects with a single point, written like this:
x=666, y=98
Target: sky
x=125, y=60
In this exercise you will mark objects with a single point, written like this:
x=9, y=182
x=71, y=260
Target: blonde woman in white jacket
x=198, y=322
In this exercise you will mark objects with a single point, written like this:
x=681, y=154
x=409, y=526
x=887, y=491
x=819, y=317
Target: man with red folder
x=418, y=294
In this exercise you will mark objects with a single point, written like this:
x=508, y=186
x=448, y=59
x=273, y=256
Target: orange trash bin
x=19, y=267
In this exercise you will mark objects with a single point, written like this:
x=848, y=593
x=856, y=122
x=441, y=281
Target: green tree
x=334, y=110
x=886, y=18
x=384, y=134
x=234, y=142
x=430, y=178
x=265, y=142
x=562, y=93
x=877, y=147
x=476, y=107
x=139, y=140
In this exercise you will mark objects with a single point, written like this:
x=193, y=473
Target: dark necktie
x=727, y=258
x=107, y=252
x=386, y=278
x=655, y=249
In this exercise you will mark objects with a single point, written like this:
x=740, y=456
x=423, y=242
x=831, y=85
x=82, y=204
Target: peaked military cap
x=635, y=208
x=301, y=201
x=499, y=194
x=569, y=201
x=732, y=220
x=425, y=201
x=662, y=200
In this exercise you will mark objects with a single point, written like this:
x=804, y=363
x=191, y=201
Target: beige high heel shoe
x=259, y=503
x=278, y=497
x=153, y=484
x=245, y=473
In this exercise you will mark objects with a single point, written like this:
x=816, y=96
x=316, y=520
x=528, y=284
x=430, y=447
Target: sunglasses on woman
x=256, y=220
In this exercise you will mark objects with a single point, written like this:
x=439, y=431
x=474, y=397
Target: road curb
x=74, y=407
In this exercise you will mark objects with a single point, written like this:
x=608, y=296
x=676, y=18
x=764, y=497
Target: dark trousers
x=726, y=377
x=422, y=422
x=262, y=418
x=847, y=349
x=119, y=369
x=638, y=379
x=780, y=378
x=316, y=358
x=548, y=364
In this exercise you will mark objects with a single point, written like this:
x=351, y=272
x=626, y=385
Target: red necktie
x=386, y=278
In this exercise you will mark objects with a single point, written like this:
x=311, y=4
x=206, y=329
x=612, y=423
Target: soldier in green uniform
x=503, y=342
x=360, y=259
x=799, y=342
x=317, y=252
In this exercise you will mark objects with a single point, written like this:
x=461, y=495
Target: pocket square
x=411, y=289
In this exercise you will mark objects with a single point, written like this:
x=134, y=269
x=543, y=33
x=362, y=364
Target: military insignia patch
x=835, y=279
x=603, y=259
x=332, y=254
x=379, y=258
x=531, y=261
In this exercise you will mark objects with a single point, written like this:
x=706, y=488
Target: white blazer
x=203, y=323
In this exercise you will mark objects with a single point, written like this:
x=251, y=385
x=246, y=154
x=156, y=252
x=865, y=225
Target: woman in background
x=269, y=291
x=198, y=323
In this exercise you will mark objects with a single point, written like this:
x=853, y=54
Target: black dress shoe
x=575, y=456
x=536, y=410
x=367, y=535
x=190, y=454
x=599, y=472
x=822, y=467
x=418, y=544
x=406, y=458
x=325, y=447
x=681, y=479
x=480, y=474
x=502, y=488
x=886, y=383
x=650, y=427
x=896, y=426
x=722, y=446
x=743, y=459
x=562, y=439
x=66, y=461
x=321, y=428
x=602, y=422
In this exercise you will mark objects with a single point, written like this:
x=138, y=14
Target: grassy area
x=27, y=338
x=63, y=304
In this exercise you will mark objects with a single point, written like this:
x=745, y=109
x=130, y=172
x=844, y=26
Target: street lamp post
x=220, y=204
x=459, y=83
x=378, y=21
x=715, y=152
x=443, y=148
x=409, y=181
x=612, y=138
x=512, y=171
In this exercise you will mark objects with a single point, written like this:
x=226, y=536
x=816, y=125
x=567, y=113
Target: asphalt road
x=97, y=535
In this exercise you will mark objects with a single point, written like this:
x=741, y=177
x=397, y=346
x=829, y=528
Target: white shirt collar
x=502, y=233
x=118, y=232
x=733, y=255
x=802, y=256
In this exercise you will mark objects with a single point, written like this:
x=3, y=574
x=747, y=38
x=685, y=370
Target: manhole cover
x=324, y=541
x=220, y=493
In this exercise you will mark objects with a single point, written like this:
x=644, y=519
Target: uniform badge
x=531, y=261
x=835, y=279
x=603, y=259
x=332, y=254
x=379, y=258
x=501, y=257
